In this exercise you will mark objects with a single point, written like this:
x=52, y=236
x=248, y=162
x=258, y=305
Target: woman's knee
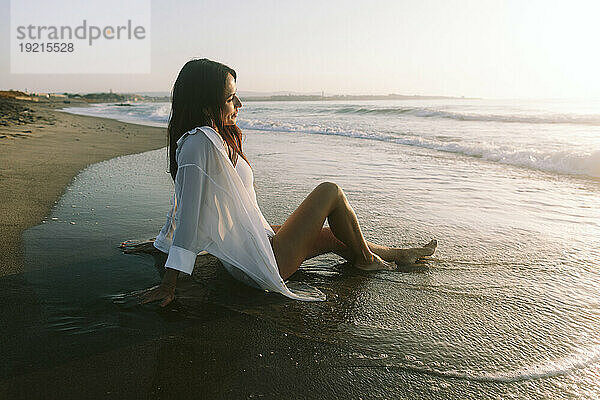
x=331, y=188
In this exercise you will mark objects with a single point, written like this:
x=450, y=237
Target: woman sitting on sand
x=215, y=208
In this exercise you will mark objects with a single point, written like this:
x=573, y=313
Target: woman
x=215, y=208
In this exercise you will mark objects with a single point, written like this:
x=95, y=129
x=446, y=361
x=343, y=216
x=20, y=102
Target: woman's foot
x=376, y=264
x=410, y=256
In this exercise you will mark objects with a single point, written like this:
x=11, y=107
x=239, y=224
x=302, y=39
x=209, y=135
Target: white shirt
x=215, y=210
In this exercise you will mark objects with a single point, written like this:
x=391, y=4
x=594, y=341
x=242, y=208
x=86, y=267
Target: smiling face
x=232, y=102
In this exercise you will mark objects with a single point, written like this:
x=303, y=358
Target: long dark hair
x=197, y=99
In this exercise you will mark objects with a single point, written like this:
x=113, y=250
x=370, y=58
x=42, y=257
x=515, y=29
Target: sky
x=490, y=49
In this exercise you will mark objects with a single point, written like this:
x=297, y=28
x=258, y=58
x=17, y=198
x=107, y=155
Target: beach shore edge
x=41, y=150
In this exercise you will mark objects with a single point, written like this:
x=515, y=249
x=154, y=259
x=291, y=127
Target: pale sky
x=493, y=49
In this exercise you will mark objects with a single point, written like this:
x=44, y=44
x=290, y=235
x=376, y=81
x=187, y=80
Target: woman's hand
x=162, y=292
x=165, y=291
x=135, y=246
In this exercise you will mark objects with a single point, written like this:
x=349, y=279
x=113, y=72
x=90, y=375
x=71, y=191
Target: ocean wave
x=575, y=161
x=155, y=113
x=161, y=112
x=547, y=369
x=572, y=162
x=281, y=126
x=423, y=112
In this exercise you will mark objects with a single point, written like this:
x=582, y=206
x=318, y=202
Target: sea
x=508, y=306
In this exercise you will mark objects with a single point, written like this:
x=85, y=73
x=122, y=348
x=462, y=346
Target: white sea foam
x=161, y=111
x=559, y=161
x=575, y=162
x=544, y=369
x=549, y=368
x=426, y=112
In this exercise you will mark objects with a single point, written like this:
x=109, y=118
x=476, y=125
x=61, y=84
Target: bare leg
x=294, y=241
x=328, y=243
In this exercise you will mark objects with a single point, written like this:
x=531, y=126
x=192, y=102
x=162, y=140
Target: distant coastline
x=124, y=98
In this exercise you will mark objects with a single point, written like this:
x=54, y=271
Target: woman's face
x=232, y=102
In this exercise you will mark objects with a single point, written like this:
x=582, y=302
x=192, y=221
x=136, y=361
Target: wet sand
x=219, y=354
x=228, y=355
x=41, y=150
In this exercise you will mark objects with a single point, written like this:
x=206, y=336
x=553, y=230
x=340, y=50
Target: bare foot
x=376, y=264
x=410, y=256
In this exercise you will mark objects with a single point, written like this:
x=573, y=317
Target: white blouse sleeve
x=188, y=186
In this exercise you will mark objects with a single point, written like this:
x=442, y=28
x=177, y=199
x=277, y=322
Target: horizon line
x=283, y=93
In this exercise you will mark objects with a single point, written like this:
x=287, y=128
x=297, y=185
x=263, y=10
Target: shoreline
x=41, y=150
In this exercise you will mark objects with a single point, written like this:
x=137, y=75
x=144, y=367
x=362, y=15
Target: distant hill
x=12, y=93
x=112, y=97
x=248, y=94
